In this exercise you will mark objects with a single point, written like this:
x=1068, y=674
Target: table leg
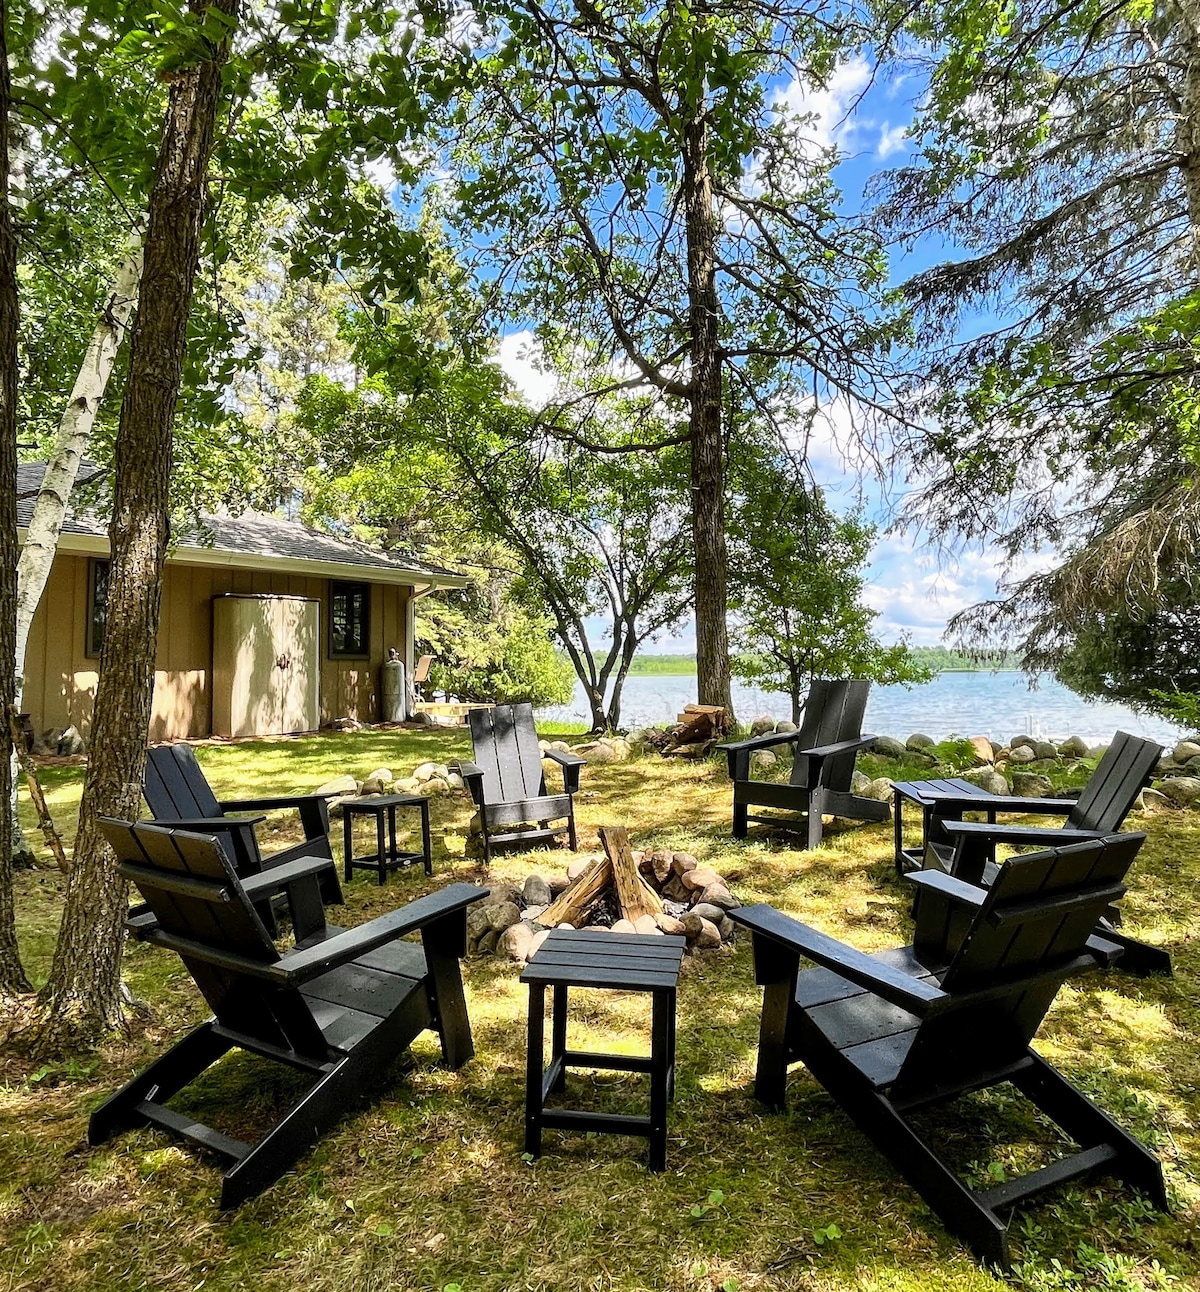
x=533, y=1069
x=659, y=1048
x=899, y=834
x=380, y=855
x=393, y=849
x=348, y=840
x=426, y=844
x=558, y=1034
x=671, y=1048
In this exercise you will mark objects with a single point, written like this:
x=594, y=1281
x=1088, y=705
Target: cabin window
x=349, y=619
x=98, y=572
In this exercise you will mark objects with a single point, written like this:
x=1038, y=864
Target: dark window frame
x=349, y=588
x=93, y=629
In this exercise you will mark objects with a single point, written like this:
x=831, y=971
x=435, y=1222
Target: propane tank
x=391, y=687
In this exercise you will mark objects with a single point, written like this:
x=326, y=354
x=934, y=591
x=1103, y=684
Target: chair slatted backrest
x=195, y=894
x=1114, y=786
x=175, y=786
x=833, y=712
x=506, y=751
x=1029, y=934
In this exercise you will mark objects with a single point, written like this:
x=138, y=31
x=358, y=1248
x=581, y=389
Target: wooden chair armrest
x=955, y=890
x=211, y=824
x=760, y=742
x=840, y=747
x=298, y=966
x=737, y=752
x=277, y=879
x=882, y=979
x=571, y=764
x=1001, y=832
x=273, y=803
x=472, y=775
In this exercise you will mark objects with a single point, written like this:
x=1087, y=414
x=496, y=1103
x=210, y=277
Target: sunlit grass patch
x=424, y=1185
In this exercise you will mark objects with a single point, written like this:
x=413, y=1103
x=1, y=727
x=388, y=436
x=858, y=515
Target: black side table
x=939, y=800
x=622, y=962
x=387, y=855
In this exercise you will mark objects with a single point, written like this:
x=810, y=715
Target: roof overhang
x=188, y=554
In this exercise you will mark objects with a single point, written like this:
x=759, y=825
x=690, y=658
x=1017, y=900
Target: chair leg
x=959, y=1209
x=444, y=942
x=1090, y=1125
x=572, y=837
x=166, y=1076
x=741, y=820
x=814, y=825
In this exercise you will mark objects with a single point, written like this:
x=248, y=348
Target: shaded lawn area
x=425, y=1188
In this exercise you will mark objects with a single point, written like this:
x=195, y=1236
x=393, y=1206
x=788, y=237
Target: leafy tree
x=1059, y=147
x=661, y=218
x=488, y=646
x=598, y=539
x=376, y=461
x=82, y=994
x=799, y=575
x=431, y=449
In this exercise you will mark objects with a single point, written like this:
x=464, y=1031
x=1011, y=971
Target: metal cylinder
x=391, y=688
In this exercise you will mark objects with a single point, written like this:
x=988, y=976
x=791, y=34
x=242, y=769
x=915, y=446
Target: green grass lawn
x=425, y=1187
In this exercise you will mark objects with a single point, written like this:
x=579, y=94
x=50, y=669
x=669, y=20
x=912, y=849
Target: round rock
x=536, y=891
x=1181, y=790
x=515, y=941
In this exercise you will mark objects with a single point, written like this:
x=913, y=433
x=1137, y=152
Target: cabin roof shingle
x=250, y=535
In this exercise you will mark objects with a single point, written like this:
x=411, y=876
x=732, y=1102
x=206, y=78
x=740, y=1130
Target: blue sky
x=913, y=589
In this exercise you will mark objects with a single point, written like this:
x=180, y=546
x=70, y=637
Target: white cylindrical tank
x=391, y=688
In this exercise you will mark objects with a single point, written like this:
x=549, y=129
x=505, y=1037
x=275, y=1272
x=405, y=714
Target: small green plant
x=826, y=1234
x=69, y=1070
x=701, y=1209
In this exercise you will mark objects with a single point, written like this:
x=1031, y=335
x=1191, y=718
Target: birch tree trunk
x=74, y=431
x=82, y=997
x=12, y=975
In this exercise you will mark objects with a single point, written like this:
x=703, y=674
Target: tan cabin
x=266, y=627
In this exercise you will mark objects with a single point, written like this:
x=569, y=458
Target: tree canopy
x=1059, y=149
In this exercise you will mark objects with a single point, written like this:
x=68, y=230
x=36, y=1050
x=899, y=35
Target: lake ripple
x=999, y=705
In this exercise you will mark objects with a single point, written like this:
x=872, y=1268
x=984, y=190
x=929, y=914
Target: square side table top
x=602, y=959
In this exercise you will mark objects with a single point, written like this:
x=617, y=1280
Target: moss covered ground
x=426, y=1188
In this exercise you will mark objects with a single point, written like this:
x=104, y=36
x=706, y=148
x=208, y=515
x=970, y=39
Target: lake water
x=998, y=705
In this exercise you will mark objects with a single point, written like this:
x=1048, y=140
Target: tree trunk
x=82, y=998
x=707, y=443
x=1187, y=130
x=74, y=430
x=12, y=975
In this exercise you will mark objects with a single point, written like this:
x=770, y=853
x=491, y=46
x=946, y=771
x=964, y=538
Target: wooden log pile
x=649, y=891
x=695, y=733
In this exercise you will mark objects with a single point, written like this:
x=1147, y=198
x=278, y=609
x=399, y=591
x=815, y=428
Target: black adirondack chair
x=825, y=747
x=894, y=1034
x=340, y=1010
x=967, y=849
x=178, y=794
x=507, y=783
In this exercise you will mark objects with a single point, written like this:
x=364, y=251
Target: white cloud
x=830, y=117
x=892, y=139
x=826, y=111
x=520, y=359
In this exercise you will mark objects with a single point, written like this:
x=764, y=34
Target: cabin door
x=266, y=665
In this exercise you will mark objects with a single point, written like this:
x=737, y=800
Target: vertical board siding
x=60, y=679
